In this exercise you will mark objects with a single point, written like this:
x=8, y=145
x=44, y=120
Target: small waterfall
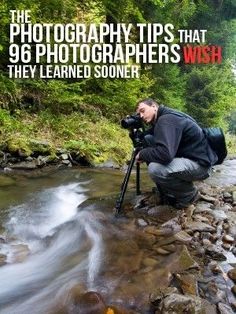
x=64, y=245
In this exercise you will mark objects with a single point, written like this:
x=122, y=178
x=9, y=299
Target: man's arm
x=167, y=136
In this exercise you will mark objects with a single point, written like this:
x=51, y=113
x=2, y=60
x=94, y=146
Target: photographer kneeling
x=177, y=152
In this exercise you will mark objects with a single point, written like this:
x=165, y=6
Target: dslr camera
x=133, y=121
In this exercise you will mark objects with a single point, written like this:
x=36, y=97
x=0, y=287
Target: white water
x=65, y=249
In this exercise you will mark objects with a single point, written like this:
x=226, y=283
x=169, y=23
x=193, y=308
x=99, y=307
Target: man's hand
x=137, y=159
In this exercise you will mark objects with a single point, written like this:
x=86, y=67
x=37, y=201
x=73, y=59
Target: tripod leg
x=138, y=192
x=125, y=183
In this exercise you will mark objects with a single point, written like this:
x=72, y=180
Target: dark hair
x=147, y=101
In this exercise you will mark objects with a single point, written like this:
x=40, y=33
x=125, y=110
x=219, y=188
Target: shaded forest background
x=83, y=115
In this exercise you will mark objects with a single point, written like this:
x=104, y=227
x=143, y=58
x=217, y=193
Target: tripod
x=138, y=144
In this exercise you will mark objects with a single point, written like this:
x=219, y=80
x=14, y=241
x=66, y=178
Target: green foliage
x=80, y=114
x=232, y=122
x=116, y=98
x=97, y=141
x=231, y=144
x=169, y=87
x=209, y=95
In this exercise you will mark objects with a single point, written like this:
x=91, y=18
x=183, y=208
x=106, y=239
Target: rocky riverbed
x=167, y=260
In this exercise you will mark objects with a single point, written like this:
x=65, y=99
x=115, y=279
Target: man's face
x=147, y=113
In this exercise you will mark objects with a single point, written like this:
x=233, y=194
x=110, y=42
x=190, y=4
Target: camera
x=133, y=121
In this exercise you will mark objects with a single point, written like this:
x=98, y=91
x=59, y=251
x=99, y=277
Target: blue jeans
x=175, y=180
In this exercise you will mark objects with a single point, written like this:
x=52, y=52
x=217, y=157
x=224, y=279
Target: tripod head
x=136, y=133
x=135, y=126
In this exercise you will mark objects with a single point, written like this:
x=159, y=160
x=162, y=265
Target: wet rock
x=199, y=226
x=66, y=162
x=233, y=289
x=148, y=261
x=162, y=251
x=196, y=234
x=75, y=293
x=143, y=200
x=219, y=215
x=201, y=218
x=170, y=248
x=183, y=261
x=2, y=239
x=208, y=198
x=158, y=232
x=228, y=238
x=3, y=259
x=206, y=242
x=202, y=207
x=226, y=246
x=141, y=222
x=232, y=274
x=90, y=302
x=25, y=165
x=227, y=195
x=188, y=283
x=208, y=307
x=64, y=156
x=224, y=308
x=214, y=267
x=159, y=293
x=162, y=213
x=234, y=196
x=20, y=252
x=232, y=230
x=29, y=158
x=183, y=237
x=215, y=252
x=172, y=224
x=226, y=226
x=177, y=303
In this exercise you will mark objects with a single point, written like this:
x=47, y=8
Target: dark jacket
x=177, y=135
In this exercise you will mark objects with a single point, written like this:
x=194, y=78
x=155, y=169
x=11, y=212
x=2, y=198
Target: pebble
x=228, y=238
x=162, y=251
x=208, y=198
x=234, y=196
x=215, y=267
x=232, y=274
x=227, y=195
x=141, y=222
x=206, y=242
x=226, y=226
x=224, y=308
x=226, y=246
x=233, y=289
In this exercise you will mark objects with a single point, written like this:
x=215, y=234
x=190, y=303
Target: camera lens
x=133, y=121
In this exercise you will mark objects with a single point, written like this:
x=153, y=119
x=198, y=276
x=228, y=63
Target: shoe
x=197, y=196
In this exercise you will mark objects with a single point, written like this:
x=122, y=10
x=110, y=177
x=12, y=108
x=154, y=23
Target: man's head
x=147, y=108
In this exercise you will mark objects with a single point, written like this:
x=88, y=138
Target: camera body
x=133, y=121
x=135, y=125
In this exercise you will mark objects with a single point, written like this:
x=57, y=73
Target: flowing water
x=56, y=231
x=59, y=235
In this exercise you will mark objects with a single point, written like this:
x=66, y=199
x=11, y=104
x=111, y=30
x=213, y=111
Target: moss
x=18, y=145
x=41, y=146
x=97, y=141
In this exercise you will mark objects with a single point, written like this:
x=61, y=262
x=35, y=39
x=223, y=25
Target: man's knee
x=157, y=170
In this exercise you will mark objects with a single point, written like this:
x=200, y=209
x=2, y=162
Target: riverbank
x=30, y=141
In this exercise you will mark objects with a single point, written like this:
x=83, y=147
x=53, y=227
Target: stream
x=59, y=237
x=57, y=230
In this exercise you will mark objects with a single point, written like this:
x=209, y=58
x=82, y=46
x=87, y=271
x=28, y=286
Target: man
x=177, y=153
